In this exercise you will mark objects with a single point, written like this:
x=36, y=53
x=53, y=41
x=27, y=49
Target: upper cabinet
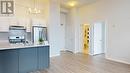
x=4, y=24
x=28, y=25
x=13, y=21
x=38, y=22
x=21, y=22
x=26, y=22
x=23, y=16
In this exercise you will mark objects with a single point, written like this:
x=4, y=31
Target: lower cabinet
x=27, y=60
x=43, y=57
x=1, y=63
x=9, y=61
x=24, y=60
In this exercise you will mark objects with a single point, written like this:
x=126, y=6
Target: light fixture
x=34, y=10
x=72, y=3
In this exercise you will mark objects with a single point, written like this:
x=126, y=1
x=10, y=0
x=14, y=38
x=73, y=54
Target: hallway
x=79, y=63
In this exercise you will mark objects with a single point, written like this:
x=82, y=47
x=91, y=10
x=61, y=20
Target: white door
x=62, y=30
x=98, y=38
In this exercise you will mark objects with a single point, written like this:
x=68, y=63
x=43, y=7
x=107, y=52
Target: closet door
x=98, y=38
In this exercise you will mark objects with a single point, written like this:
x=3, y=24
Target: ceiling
x=64, y=3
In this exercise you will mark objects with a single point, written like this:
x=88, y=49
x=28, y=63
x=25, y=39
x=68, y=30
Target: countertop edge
x=20, y=47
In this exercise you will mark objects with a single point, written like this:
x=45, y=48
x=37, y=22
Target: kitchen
x=24, y=44
x=20, y=55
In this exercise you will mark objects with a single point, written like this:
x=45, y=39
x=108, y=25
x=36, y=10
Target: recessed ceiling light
x=72, y=3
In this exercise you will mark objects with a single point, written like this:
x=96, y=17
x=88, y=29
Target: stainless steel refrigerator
x=39, y=32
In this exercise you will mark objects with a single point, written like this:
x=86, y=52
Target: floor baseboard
x=117, y=60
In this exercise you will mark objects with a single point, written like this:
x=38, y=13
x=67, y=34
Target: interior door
x=86, y=38
x=62, y=30
x=98, y=38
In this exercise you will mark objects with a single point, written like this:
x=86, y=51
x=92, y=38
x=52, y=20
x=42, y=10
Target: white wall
x=116, y=13
x=53, y=26
x=22, y=9
x=64, y=10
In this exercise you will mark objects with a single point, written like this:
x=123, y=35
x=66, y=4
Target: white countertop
x=7, y=46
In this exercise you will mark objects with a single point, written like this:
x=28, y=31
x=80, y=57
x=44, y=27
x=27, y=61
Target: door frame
x=83, y=37
x=91, y=45
x=92, y=37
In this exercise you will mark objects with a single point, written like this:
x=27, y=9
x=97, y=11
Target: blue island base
x=24, y=60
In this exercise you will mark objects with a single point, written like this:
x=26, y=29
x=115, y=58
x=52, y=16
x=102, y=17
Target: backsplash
x=28, y=37
x=4, y=36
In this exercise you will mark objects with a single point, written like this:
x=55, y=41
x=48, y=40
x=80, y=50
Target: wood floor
x=79, y=63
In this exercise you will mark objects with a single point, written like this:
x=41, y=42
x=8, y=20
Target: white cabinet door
x=98, y=38
x=21, y=22
x=13, y=21
x=4, y=24
x=38, y=22
x=26, y=23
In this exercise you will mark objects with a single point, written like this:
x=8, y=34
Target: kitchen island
x=23, y=58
